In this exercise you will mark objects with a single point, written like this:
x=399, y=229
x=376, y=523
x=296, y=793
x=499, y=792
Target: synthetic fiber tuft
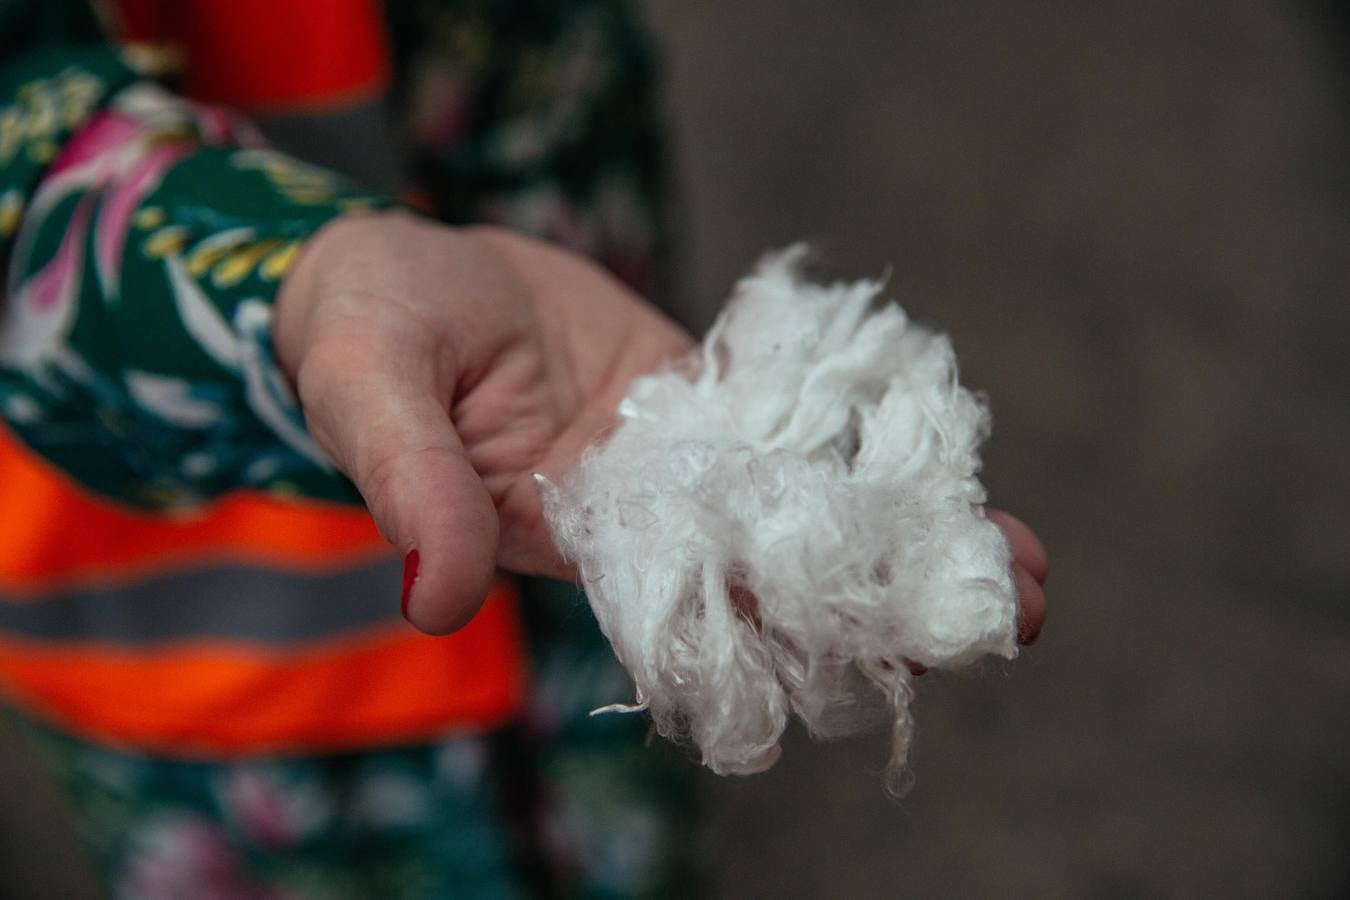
x=782, y=522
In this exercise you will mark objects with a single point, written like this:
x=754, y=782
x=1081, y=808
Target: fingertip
x=433, y=507
x=442, y=616
x=455, y=564
x=1031, y=606
x=411, y=562
x=1026, y=546
x=443, y=603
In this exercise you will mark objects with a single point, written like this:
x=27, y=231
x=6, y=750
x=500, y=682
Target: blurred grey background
x=1134, y=219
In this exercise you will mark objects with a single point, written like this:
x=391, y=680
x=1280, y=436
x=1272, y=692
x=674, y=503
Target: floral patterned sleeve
x=143, y=241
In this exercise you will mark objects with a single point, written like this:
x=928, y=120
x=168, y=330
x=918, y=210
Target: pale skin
x=441, y=368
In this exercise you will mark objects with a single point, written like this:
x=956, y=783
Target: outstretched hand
x=441, y=368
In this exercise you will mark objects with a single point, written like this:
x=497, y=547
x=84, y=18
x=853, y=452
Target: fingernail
x=409, y=577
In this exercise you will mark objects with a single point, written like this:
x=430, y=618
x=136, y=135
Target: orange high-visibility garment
x=255, y=624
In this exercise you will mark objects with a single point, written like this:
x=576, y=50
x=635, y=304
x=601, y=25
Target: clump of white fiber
x=786, y=520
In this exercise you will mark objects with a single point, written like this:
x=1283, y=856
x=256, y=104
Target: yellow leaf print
x=212, y=250
x=149, y=217
x=11, y=213
x=166, y=241
x=42, y=152
x=236, y=266
x=279, y=263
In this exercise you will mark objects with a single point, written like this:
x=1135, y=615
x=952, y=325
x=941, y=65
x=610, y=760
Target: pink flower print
x=95, y=143
x=544, y=213
x=213, y=122
x=441, y=109
x=85, y=162
x=37, y=319
x=187, y=858
x=126, y=192
x=270, y=812
x=113, y=151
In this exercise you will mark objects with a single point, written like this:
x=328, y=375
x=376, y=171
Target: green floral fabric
x=537, y=114
x=135, y=342
x=144, y=237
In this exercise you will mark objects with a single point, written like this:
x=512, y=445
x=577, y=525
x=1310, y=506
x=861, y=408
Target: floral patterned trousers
x=560, y=804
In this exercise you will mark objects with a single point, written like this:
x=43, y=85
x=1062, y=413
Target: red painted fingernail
x=1025, y=636
x=409, y=577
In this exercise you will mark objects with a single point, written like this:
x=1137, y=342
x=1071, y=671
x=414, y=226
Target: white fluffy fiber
x=783, y=521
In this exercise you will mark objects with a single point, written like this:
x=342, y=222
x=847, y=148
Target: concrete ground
x=1134, y=219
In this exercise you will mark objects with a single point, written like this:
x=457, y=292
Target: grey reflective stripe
x=356, y=140
x=232, y=603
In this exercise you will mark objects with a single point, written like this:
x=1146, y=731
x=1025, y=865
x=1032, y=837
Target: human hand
x=1031, y=568
x=441, y=368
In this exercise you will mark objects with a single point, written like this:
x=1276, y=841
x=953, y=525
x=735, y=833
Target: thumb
x=374, y=401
